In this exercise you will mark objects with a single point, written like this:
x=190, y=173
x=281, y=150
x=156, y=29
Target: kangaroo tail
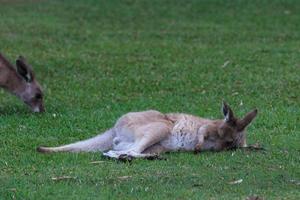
x=102, y=142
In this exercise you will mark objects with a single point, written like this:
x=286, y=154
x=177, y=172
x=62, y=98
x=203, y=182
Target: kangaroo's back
x=141, y=118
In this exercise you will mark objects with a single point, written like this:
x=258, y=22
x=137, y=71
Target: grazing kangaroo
x=21, y=82
x=148, y=133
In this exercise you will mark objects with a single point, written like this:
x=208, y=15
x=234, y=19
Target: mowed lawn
x=97, y=60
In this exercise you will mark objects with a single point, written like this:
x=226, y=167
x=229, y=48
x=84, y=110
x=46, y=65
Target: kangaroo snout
x=38, y=109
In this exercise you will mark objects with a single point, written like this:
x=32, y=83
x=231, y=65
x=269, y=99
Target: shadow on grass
x=14, y=110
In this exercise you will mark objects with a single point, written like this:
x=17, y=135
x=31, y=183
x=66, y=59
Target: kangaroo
x=21, y=82
x=148, y=133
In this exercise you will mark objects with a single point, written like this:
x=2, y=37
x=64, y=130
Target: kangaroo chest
x=183, y=136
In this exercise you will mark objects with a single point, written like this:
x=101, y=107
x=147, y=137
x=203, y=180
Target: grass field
x=98, y=60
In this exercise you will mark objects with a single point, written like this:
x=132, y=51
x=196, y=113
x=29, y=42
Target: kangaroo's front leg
x=201, y=135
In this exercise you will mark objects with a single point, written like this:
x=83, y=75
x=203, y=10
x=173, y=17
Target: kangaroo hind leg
x=146, y=136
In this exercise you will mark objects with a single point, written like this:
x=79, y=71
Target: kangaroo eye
x=38, y=96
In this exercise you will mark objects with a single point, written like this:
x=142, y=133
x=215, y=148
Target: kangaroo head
x=30, y=92
x=232, y=130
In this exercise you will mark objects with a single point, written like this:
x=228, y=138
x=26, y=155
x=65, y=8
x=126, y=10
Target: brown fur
x=21, y=82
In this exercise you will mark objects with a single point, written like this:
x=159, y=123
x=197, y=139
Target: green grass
x=98, y=60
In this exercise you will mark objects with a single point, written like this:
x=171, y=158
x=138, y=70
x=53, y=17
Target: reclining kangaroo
x=148, y=133
x=21, y=82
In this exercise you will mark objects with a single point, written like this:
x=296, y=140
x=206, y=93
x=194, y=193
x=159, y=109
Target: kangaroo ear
x=24, y=70
x=227, y=112
x=243, y=123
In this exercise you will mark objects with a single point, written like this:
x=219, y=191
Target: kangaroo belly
x=180, y=141
x=183, y=137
